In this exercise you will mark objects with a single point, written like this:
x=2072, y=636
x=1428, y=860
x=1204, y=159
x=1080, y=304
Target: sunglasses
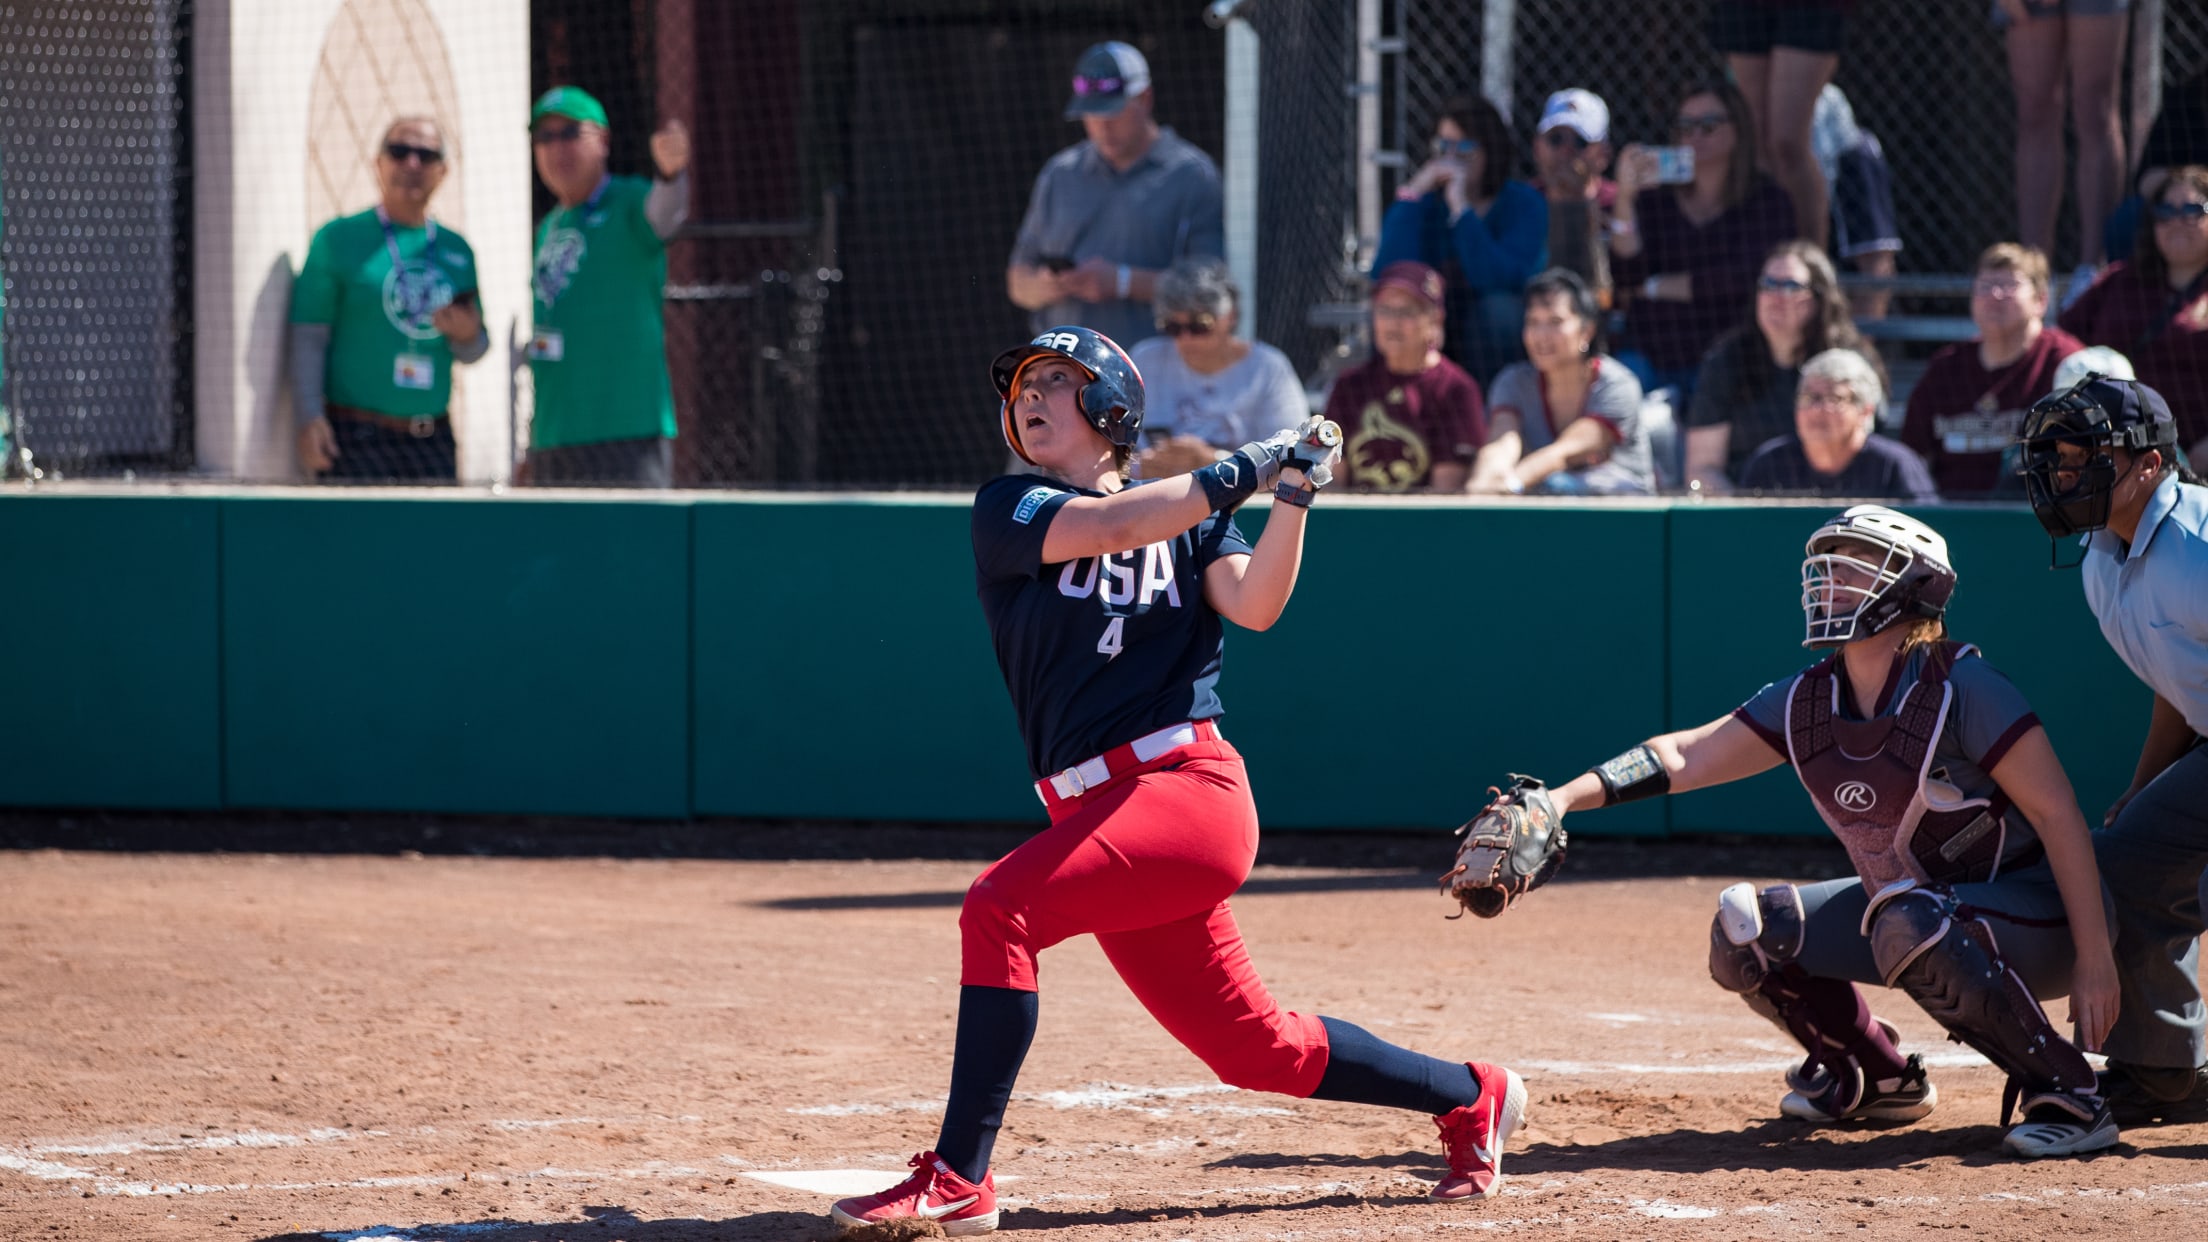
x=1780, y=284
x=1097, y=86
x=1561, y=137
x=401, y=152
x=1456, y=146
x=1700, y=126
x=1201, y=325
x=556, y=133
x=2180, y=211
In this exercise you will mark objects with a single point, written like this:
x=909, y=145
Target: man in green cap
x=605, y=410
x=384, y=306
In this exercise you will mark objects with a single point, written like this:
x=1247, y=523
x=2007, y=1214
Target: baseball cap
x=572, y=102
x=1105, y=78
x=2129, y=403
x=1580, y=111
x=1414, y=277
x=2092, y=360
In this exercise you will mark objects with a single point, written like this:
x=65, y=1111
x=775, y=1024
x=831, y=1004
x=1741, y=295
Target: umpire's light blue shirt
x=2152, y=597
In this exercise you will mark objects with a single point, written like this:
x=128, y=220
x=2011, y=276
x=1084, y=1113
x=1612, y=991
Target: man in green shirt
x=605, y=410
x=384, y=306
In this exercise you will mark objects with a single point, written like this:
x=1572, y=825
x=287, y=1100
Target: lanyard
x=391, y=237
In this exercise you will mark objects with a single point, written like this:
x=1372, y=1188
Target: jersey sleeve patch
x=1030, y=503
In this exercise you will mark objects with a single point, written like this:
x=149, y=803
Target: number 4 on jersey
x=1113, y=641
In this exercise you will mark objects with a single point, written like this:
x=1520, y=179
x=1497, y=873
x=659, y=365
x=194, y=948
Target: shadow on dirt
x=608, y=1223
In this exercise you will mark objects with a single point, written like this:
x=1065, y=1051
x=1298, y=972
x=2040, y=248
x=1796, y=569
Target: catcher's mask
x=2070, y=491
x=1847, y=595
x=1111, y=400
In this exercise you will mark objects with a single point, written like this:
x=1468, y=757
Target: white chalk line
x=1152, y=1101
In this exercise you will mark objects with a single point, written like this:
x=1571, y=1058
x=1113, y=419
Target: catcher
x=1976, y=891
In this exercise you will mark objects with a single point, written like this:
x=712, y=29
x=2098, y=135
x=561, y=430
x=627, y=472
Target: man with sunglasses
x=2100, y=460
x=384, y=306
x=1110, y=213
x=605, y=408
x=1571, y=154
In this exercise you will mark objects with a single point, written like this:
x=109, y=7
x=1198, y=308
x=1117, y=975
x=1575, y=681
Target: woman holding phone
x=1693, y=224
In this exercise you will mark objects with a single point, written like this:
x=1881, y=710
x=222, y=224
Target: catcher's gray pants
x=1835, y=947
x=2154, y=859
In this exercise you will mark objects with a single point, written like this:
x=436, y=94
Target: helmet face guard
x=1111, y=400
x=2074, y=418
x=1847, y=595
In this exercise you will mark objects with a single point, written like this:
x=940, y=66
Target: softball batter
x=1104, y=603
x=1976, y=890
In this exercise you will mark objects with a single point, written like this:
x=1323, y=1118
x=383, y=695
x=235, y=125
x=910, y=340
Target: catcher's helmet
x=2096, y=415
x=1910, y=579
x=1111, y=400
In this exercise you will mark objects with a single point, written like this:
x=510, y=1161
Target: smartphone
x=1674, y=165
x=465, y=297
x=1055, y=263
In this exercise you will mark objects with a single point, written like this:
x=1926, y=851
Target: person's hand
x=1430, y=176
x=1095, y=280
x=671, y=150
x=461, y=323
x=1176, y=454
x=2093, y=999
x=1456, y=191
x=2116, y=808
x=1636, y=172
x=2016, y=11
x=317, y=446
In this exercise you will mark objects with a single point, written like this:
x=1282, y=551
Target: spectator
x=1783, y=53
x=1571, y=153
x=1568, y=420
x=1209, y=391
x=1833, y=451
x=2178, y=137
x=1866, y=232
x=1966, y=410
x=1744, y=395
x=1463, y=213
x=2070, y=49
x=605, y=410
x=2154, y=309
x=1111, y=212
x=1690, y=251
x=1411, y=419
x=385, y=304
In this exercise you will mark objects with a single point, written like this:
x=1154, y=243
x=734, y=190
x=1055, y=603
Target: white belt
x=1090, y=773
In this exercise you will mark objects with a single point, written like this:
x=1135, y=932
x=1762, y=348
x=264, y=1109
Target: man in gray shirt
x=1112, y=211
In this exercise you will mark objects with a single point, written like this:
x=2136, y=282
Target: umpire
x=2101, y=460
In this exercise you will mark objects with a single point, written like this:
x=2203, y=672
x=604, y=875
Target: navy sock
x=1362, y=1068
x=995, y=1026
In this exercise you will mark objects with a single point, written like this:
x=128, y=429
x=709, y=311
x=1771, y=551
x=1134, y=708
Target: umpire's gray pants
x=2154, y=859
x=1834, y=946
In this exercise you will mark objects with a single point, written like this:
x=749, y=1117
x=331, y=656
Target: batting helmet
x=1111, y=400
x=1911, y=577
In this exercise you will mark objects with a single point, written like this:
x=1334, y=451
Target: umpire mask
x=2070, y=490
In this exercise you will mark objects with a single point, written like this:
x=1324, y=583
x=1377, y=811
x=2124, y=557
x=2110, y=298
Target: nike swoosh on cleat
x=923, y=1211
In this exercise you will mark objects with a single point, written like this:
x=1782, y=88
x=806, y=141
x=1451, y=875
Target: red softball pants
x=1145, y=863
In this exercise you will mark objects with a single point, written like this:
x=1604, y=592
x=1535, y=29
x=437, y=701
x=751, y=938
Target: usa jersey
x=1102, y=650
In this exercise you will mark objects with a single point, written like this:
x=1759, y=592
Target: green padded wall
x=446, y=653
x=108, y=636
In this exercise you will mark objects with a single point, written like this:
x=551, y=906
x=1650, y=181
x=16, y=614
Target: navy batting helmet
x=1111, y=400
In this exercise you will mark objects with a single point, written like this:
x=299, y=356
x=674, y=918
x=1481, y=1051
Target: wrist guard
x=1299, y=496
x=1634, y=775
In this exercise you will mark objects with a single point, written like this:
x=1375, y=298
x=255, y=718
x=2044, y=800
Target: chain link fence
x=861, y=166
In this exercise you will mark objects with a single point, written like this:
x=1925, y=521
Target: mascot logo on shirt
x=1384, y=453
x=1855, y=796
x=557, y=259
x=412, y=292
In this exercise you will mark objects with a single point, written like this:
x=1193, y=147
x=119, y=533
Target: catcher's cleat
x=934, y=1192
x=1474, y=1136
x=1811, y=1078
x=2062, y=1123
x=1827, y=1100
x=2139, y=1096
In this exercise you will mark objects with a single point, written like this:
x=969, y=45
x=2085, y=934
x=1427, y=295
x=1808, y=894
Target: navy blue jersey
x=1100, y=651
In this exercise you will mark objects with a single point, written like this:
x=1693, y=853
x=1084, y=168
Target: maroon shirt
x=1397, y=428
x=1724, y=257
x=2166, y=340
x=1962, y=417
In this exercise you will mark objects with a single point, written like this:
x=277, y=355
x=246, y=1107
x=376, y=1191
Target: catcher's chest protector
x=1870, y=780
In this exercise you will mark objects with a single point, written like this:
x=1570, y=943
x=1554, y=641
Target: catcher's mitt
x=1510, y=848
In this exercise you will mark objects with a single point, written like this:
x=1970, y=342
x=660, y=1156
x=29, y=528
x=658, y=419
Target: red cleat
x=1475, y=1135
x=934, y=1193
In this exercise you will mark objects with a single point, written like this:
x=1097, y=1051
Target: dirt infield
x=499, y=1049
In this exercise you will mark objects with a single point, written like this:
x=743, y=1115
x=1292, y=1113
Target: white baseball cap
x=2092, y=360
x=1583, y=112
x=1105, y=78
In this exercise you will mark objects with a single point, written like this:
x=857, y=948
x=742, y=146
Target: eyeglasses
x=1401, y=310
x=1821, y=399
x=1201, y=325
x=1456, y=146
x=1781, y=285
x=2165, y=212
x=1996, y=287
x=549, y=134
x=400, y=152
x=1097, y=86
x=1562, y=137
x=1700, y=126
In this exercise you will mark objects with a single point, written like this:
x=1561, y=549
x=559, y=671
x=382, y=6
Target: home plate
x=839, y=1182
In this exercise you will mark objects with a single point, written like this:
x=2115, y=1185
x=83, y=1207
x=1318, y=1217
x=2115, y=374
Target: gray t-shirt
x=1164, y=208
x=1614, y=399
x=1988, y=716
x=1248, y=401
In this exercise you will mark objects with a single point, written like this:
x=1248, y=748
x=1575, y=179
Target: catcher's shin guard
x=1952, y=967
